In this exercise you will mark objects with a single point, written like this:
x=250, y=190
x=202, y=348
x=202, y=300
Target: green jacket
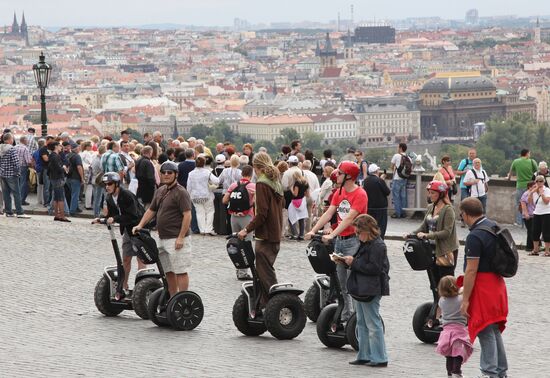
x=445, y=234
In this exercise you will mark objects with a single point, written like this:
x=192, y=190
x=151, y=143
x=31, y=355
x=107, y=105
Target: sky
x=52, y=13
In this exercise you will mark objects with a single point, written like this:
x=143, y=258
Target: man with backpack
x=122, y=208
x=485, y=299
x=401, y=166
x=476, y=179
x=240, y=200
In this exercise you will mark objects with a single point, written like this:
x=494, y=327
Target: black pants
x=442, y=271
x=381, y=216
x=529, y=228
x=454, y=365
x=541, y=224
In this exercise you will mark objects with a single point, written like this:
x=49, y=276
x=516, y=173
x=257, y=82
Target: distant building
x=451, y=103
x=374, y=34
x=382, y=122
x=335, y=127
x=472, y=17
x=537, y=33
x=18, y=33
x=327, y=55
x=270, y=127
x=348, y=47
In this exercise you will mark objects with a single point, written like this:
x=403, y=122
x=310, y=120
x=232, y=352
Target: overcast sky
x=222, y=12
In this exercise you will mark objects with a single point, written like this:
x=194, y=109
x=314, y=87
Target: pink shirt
x=251, y=188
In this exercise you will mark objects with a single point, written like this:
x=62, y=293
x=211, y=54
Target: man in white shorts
x=172, y=207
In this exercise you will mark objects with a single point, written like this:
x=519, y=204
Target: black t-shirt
x=74, y=161
x=44, y=151
x=302, y=188
x=481, y=244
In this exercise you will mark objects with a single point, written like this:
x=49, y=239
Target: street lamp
x=42, y=71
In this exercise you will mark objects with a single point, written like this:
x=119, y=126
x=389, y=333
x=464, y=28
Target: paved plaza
x=50, y=326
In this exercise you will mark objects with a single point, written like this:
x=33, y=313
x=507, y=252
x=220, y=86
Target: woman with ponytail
x=267, y=222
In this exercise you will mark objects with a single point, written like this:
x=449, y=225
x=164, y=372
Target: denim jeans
x=10, y=186
x=493, y=356
x=399, y=195
x=348, y=247
x=47, y=191
x=24, y=182
x=519, y=217
x=464, y=193
x=98, y=200
x=483, y=200
x=74, y=185
x=370, y=331
x=194, y=223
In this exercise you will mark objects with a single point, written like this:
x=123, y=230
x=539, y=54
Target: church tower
x=14, y=25
x=348, y=47
x=328, y=54
x=536, y=36
x=24, y=30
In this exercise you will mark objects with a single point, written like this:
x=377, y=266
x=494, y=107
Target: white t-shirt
x=396, y=161
x=477, y=190
x=541, y=208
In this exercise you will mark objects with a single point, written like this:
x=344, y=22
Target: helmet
x=438, y=186
x=169, y=166
x=111, y=177
x=350, y=169
x=333, y=176
x=220, y=158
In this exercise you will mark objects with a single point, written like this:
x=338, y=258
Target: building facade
x=383, y=123
x=335, y=127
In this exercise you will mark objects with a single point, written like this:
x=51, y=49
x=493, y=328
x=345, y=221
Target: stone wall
x=501, y=198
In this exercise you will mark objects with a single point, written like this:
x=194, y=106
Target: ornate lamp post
x=42, y=72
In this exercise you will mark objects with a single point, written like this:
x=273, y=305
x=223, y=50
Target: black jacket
x=369, y=271
x=377, y=192
x=128, y=216
x=55, y=167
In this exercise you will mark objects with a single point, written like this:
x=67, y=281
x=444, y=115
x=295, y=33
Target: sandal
x=533, y=253
x=546, y=255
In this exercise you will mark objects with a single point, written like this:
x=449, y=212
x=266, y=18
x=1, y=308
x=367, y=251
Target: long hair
x=264, y=164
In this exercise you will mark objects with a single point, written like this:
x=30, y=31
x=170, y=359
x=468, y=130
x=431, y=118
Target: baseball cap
x=292, y=159
x=373, y=168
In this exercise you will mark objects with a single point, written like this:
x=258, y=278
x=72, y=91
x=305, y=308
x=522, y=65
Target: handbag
x=448, y=259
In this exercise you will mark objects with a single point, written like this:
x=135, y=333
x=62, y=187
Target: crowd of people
x=187, y=188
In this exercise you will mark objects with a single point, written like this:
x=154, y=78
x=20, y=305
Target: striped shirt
x=24, y=155
x=111, y=162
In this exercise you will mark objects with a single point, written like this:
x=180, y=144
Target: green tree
x=134, y=134
x=271, y=148
x=312, y=140
x=287, y=136
x=200, y=131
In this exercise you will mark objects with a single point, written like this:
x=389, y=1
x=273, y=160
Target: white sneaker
x=23, y=216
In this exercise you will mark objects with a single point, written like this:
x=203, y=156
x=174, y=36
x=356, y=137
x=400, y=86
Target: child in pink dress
x=454, y=342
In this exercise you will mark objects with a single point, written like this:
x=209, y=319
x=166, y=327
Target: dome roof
x=458, y=84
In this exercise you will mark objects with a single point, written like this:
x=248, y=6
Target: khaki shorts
x=172, y=260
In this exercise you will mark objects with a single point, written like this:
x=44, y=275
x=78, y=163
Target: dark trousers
x=381, y=216
x=301, y=228
x=194, y=223
x=442, y=271
x=266, y=253
x=529, y=228
x=454, y=365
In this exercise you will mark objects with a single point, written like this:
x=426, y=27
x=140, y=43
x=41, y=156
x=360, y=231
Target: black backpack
x=405, y=167
x=239, y=200
x=506, y=259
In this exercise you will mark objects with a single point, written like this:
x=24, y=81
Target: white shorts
x=174, y=260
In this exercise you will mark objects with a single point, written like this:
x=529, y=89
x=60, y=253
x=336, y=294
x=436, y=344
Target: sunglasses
x=166, y=172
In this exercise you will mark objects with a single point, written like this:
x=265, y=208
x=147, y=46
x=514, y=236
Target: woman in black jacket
x=367, y=283
x=377, y=192
x=56, y=173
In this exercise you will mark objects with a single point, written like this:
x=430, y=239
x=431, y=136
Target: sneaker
x=395, y=216
x=25, y=203
x=10, y=215
x=212, y=233
x=23, y=216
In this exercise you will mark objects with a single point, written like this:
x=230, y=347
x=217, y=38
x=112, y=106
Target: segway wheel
x=102, y=298
x=185, y=311
x=324, y=328
x=156, y=301
x=285, y=317
x=422, y=332
x=312, y=304
x=141, y=294
x=240, y=318
x=351, y=331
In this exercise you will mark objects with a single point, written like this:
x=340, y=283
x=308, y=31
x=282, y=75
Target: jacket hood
x=4, y=148
x=275, y=185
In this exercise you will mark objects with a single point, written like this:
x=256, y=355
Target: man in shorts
x=172, y=207
x=122, y=209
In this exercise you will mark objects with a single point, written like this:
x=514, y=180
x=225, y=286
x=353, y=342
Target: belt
x=345, y=237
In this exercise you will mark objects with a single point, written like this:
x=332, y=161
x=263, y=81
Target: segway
x=109, y=296
x=331, y=330
x=284, y=316
x=184, y=310
x=420, y=256
x=319, y=294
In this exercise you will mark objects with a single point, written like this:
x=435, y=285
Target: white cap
x=220, y=158
x=292, y=159
x=373, y=168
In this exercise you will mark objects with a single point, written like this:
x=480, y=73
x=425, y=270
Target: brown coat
x=268, y=220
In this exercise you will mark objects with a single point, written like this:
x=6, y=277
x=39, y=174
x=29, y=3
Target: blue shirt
x=465, y=165
x=184, y=168
x=481, y=245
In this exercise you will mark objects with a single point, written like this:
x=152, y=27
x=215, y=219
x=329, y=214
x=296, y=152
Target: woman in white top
x=476, y=179
x=539, y=195
x=232, y=174
x=87, y=156
x=199, y=184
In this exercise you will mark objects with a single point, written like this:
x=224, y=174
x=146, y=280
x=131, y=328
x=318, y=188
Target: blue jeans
x=10, y=186
x=74, y=185
x=370, y=331
x=47, y=191
x=348, y=247
x=483, y=200
x=493, y=356
x=399, y=195
x=519, y=216
x=464, y=193
x=98, y=200
x=24, y=182
x=194, y=224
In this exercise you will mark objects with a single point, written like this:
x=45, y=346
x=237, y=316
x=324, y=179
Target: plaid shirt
x=9, y=164
x=111, y=162
x=25, y=157
x=32, y=145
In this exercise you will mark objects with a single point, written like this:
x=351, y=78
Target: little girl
x=454, y=342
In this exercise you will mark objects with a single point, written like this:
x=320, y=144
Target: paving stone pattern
x=50, y=326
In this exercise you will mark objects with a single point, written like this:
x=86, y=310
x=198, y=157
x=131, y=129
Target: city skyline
x=223, y=12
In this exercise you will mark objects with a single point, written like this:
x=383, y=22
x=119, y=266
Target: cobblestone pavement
x=50, y=326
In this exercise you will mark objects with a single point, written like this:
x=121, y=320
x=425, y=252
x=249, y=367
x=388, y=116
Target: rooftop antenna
x=351, y=7
x=338, y=25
